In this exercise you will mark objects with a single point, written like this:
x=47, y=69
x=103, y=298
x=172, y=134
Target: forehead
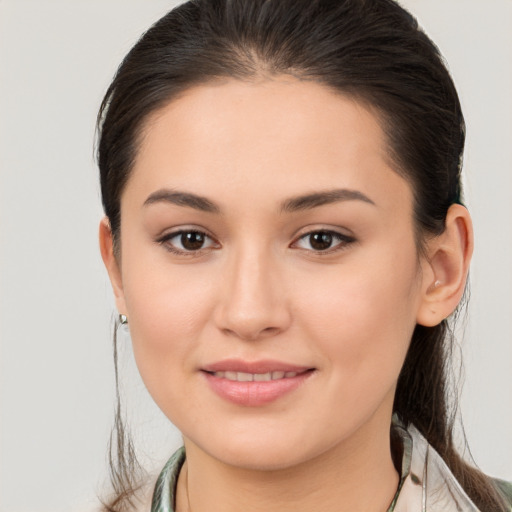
x=272, y=137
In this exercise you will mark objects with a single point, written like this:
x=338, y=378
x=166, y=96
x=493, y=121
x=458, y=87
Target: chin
x=260, y=451
x=266, y=459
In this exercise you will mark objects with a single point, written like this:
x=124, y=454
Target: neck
x=356, y=475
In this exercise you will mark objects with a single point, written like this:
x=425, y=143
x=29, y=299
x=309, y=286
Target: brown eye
x=192, y=240
x=187, y=242
x=323, y=241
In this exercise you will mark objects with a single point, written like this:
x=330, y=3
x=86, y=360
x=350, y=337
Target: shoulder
x=505, y=488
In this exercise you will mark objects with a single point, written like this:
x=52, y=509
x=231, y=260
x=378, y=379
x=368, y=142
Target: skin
x=258, y=289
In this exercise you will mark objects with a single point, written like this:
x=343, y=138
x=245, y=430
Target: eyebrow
x=317, y=199
x=182, y=199
x=299, y=203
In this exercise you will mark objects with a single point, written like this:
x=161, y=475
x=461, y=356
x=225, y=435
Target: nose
x=252, y=301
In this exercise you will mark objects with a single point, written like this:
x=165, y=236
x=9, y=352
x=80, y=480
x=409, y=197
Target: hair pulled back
x=370, y=50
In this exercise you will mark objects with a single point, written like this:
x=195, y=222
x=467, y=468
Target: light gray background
x=56, y=60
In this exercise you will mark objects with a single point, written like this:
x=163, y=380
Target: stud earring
x=437, y=283
x=123, y=319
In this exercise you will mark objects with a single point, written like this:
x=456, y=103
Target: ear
x=111, y=263
x=445, y=268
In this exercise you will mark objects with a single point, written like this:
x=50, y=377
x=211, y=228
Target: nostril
x=252, y=335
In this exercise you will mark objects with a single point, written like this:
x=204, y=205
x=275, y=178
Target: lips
x=253, y=384
x=254, y=367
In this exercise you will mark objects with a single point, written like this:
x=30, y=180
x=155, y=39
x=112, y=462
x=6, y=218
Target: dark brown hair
x=371, y=50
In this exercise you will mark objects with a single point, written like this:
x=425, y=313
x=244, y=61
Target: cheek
x=362, y=317
x=168, y=309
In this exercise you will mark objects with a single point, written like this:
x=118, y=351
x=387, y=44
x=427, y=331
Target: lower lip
x=255, y=393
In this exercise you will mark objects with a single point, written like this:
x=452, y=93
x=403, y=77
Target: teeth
x=250, y=377
x=262, y=376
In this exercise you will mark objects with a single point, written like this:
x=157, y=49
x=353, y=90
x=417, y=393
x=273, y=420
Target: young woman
x=286, y=239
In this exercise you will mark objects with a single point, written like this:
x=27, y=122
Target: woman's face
x=268, y=270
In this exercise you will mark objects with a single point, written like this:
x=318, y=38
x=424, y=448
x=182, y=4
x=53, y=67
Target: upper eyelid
x=342, y=232
x=298, y=236
x=343, y=241
x=165, y=238
x=326, y=230
x=183, y=253
x=337, y=234
x=172, y=232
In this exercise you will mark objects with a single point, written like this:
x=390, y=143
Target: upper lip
x=263, y=366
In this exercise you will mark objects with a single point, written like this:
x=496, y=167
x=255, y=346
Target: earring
x=123, y=319
x=437, y=283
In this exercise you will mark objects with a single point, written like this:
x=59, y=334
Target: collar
x=426, y=483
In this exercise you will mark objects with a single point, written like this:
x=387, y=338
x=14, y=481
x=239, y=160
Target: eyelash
x=343, y=242
x=165, y=241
